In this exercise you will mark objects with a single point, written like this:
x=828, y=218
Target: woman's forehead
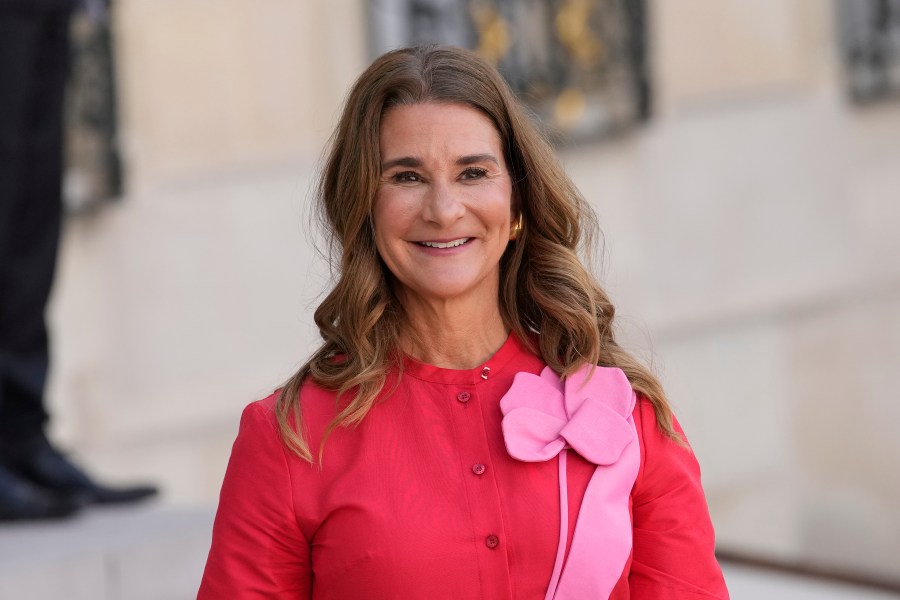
x=432, y=127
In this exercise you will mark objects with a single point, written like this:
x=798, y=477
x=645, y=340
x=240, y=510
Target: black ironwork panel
x=93, y=167
x=579, y=64
x=870, y=39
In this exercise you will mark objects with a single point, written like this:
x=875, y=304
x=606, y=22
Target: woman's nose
x=442, y=205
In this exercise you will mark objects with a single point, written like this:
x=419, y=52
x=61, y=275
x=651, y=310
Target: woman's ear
x=515, y=228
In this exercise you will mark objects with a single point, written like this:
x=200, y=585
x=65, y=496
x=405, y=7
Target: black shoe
x=40, y=463
x=22, y=500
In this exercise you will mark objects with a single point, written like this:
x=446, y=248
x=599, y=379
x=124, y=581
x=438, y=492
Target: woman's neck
x=452, y=336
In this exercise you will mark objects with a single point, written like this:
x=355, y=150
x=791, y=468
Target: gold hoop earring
x=517, y=227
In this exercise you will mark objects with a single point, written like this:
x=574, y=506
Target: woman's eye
x=406, y=177
x=474, y=173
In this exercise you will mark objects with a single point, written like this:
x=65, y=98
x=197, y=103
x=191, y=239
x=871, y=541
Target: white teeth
x=452, y=244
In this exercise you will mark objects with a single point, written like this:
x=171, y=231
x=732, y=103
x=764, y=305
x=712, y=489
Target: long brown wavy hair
x=547, y=296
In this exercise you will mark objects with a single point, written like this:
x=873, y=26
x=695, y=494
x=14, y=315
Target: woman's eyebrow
x=471, y=159
x=404, y=161
x=413, y=162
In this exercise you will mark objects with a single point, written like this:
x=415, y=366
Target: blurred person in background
x=36, y=479
x=469, y=425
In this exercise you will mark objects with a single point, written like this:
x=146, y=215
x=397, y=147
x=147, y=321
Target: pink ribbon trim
x=591, y=413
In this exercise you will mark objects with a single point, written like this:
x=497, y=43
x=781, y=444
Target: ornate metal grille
x=870, y=36
x=579, y=64
x=93, y=169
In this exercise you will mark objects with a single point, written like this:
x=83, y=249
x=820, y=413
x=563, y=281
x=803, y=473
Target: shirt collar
x=486, y=371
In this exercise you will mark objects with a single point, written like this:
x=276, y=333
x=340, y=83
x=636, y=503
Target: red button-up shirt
x=422, y=500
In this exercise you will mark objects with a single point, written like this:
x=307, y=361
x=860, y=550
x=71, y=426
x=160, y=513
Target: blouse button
x=491, y=541
x=479, y=469
x=463, y=397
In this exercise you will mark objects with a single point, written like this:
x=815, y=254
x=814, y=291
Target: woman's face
x=444, y=206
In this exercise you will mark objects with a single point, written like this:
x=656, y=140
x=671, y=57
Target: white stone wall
x=752, y=246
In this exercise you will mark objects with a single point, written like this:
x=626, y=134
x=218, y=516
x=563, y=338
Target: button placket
x=468, y=413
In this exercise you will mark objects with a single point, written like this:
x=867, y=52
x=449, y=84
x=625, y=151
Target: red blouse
x=422, y=500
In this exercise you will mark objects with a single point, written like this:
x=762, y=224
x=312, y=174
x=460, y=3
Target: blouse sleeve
x=674, y=542
x=258, y=550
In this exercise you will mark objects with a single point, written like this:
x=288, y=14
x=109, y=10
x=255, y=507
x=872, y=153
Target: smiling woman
x=477, y=431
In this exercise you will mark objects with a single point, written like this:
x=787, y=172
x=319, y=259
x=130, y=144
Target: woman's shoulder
x=310, y=393
x=318, y=405
x=264, y=405
x=648, y=429
x=663, y=460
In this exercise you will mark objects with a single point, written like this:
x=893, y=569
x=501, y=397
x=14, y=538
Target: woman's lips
x=444, y=244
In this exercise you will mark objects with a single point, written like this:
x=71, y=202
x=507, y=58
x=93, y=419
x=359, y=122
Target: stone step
x=151, y=552
x=752, y=583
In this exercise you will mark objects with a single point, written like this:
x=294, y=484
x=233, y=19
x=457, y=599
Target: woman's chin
x=451, y=291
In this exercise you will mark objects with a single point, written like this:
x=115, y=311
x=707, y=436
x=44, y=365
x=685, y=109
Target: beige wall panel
x=732, y=391
x=873, y=212
x=210, y=85
x=707, y=50
x=846, y=377
x=794, y=420
x=191, y=305
x=716, y=216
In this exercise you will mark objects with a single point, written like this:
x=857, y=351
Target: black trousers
x=34, y=49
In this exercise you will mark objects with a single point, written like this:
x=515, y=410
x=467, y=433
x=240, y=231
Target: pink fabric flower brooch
x=591, y=413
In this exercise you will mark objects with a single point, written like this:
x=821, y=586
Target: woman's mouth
x=450, y=244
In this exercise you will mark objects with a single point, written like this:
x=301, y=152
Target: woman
x=453, y=436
